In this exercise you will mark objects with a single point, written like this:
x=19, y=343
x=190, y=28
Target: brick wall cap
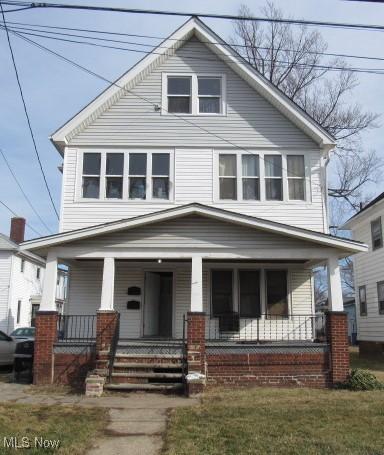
x=329, y=312
x=197, y=313
x=42, y=312
x=107, y=312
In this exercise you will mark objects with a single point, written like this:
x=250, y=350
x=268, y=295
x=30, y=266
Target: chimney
x=17, y=229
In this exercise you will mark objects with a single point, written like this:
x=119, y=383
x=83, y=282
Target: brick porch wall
x=72, y=369
x=105, y=329
x=196, y=342
x=45, y=337
x=337, y=334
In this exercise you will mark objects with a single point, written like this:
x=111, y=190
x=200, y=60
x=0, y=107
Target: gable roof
x=349, y=223
x=346, y=245
x=7, y=244
x=193, y=27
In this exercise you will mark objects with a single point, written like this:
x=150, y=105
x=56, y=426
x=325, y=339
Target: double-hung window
x=179, y=94
x=209, y=92
x=114, y=173
x=137, y=176
x=250, y=177
x=249, y=293
x=380, y=296
x=273, y=177
x=296, y=177
x=91, y=175
x=363, y=300
x=277, y=293
x=228, y=176
x=376, y=233
x=160, y=175
x=222, y=292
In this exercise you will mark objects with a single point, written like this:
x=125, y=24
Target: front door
x=157, y=315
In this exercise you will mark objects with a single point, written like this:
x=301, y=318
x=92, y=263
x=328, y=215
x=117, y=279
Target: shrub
x=362, y=380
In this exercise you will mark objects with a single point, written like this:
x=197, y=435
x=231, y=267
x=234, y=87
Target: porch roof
x=343, y=246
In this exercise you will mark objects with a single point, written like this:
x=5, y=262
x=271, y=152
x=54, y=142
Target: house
x=350, y=309
x=367, y=225
x=193, y=210
x=21, y=278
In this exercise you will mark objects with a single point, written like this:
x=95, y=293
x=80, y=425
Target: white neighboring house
x=21, y=278
x=367, y=226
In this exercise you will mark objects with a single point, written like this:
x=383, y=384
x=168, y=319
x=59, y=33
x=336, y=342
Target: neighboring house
x=350, y=309
x=367, y=226
x=21, y=278
x=194, y=207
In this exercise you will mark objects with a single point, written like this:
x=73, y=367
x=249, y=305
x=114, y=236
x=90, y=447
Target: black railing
x=267, y=328
x=113, y=347
x=76, y=328
x=184, y=364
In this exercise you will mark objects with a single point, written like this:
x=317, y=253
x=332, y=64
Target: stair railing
x=113, y=347
x=184, y=349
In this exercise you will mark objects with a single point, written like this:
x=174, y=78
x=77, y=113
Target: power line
x=284, y=64
x=15, y=214
x=26, y=112
x=87, y=70
x=23, y=192
x=236, y=45
x=195, y=14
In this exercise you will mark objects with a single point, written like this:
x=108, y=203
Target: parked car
x=23, y=355
x=23, y=333
x=7, y=349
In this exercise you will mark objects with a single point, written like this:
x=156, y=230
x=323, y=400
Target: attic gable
x=168, y=48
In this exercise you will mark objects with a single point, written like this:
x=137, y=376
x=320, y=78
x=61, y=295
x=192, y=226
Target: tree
x=292, y=59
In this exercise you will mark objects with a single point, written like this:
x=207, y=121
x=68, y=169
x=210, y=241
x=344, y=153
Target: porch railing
x=267, y=328
x=76, y=328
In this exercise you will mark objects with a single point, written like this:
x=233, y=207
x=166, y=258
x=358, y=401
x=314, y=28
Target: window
x=273, y=178
x=18, y=311
x=91, y=175
x=296, y=177
x=377, y=234
x=38, y=273
x=114, y=173
x=222, y=292
x=250, y=177
x=179, y=95
x=209, y=92
x=363, y=300
x=137, y=176
x=277, y=293
x=160, y=175
x=228, y=177
x=22, y=266
x=380, y=296
x=249, y=292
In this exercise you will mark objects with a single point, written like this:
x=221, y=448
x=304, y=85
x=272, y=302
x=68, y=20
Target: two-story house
x=21, y=280
x=367, y=226
x=193, y=210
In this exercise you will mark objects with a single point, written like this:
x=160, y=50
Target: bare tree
x=293, y=60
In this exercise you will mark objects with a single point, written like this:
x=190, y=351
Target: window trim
x=125, y=196
x=194, y=94
x=381, y=232
x=261, y=154
x=362, y=314
x=18, y=311
x=378, y=284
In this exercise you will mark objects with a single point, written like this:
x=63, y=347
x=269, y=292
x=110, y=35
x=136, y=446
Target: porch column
x=46, y=326
x=107, y=317
x=197, y=284
x=336, y=325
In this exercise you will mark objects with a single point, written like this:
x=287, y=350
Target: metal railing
x=113, y=347
x=76, y=328
x=267, y=328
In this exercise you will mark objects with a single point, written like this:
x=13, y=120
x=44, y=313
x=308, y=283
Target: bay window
x=296, y=177
x=91, y=175
x=273, y=177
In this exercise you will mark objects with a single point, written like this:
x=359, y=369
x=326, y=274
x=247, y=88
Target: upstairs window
x=137, y=176
x=22, y=265
x=250, y=177
x=114, y=175
x=38, y=273
x=363, y=300
x=296, y=177
x=160, y=176
x=273, y=177
x=376, y=234
x=179, y=95
x=209, y=92
x=380, y=296
x=228, y=176
x=91, y=175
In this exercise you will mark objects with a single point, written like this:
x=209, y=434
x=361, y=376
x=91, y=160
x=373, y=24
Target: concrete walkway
x=137, y=420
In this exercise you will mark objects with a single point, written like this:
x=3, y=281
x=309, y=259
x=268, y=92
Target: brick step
x=148, y=375
x=135, y=365
x=153, y=386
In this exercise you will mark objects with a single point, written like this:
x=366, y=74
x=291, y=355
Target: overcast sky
x=55, y=91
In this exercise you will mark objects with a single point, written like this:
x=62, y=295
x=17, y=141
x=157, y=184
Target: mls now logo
x=17, y=443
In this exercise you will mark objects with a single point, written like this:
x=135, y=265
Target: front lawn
x=279, y=421
x=75, y=427
x=374, y=364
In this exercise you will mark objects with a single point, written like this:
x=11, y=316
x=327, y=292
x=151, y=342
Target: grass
x=279, y=421
x=375, y=364
x=75, y=427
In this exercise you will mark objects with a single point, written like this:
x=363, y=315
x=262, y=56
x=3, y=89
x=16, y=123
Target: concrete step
x=148, y=375
x=146, y=365
x=152, y=386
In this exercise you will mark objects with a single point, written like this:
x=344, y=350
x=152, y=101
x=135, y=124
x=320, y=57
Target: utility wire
x=25, y=26
x=180, y=117
x=23, y=192
x=15, y=214
x=284, y=64
x=195, y=14
x=26, y=112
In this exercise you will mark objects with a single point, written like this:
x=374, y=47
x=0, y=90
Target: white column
x=197, y=284
x=48, y=298
x=108, y=287
x=335, y=294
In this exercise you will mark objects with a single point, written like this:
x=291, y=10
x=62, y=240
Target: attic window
x=179, y=95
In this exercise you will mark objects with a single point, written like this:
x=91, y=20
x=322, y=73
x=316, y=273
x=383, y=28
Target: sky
x=55, y=91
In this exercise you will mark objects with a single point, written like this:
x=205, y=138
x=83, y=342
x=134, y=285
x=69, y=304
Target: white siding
x=369, y=270
x=5, y=271
x=251, y=122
